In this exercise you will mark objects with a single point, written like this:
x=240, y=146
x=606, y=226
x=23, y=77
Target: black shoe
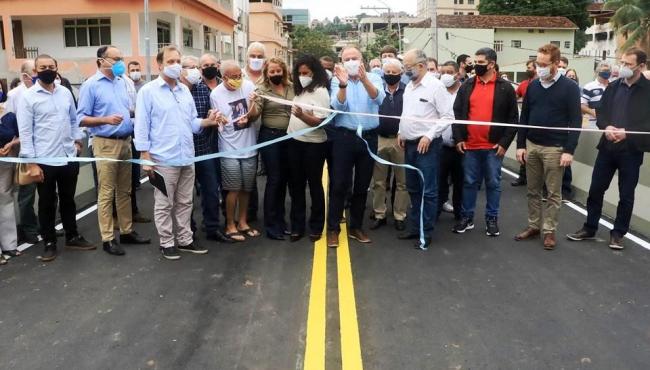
x=218, y=236
x=49, y=252
x=272, y=236
x=581, y=234
x=315, y=237
x=30, y=239
x=170, y=253
x=422, y=247
x=463, y=225
x=491, y=227
x=134, y=238
x=295, y=237
x=400, y=225
x=519, y=182
x=140, y=219
x=567, y=197
x=60, y=233
x=79, y=243
x=113, y=248
x=193, y=248
x=408, y=236
x=12, y=253
x=379, y=222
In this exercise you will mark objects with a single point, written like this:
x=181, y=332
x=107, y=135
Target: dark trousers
x=428, y=163
x=306, y=168
x=208, y=178
x=628, y=164
x=276, y=162
x=350, y=159
x=63, y=179
x=135, y=179
x=451, y=167
x=28, y=220
x=567, y=179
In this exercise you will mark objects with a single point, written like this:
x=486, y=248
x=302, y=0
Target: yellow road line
x=316, y=314
x=350, y=342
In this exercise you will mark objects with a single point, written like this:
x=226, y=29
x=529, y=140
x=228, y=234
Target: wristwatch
x=343, y=86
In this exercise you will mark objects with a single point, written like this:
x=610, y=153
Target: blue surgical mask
x=2, y=96
x=412, y=74
x=118, y=68
x=605, y=74
x=34, y=79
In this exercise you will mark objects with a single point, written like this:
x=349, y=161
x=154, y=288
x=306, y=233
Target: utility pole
x=434, y=29
x=147, y=49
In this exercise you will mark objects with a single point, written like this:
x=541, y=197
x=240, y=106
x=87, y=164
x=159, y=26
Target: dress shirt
x=100, y=97
x=428, y=100
x=13, y=97
x=204, y=140
x=165, y=119
x=47, y=122
x=447, y=135
x=547, y=84
x=357, y=100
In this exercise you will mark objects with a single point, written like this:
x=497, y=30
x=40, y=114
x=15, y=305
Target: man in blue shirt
x=105, y=108
x=353, y=90
x=47, y=122
x=166, y=117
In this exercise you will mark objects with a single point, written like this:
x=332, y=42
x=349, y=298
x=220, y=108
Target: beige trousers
x=543, y=167
x=114, y=180
x=388, y=149
x=179, y=182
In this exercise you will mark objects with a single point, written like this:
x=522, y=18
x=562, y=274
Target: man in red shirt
x=484, y=98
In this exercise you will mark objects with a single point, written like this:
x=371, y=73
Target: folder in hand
x=158, y=181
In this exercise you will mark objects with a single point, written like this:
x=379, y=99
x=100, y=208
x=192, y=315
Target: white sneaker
x=447, y=207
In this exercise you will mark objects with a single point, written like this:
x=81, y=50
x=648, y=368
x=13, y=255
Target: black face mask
x=481, y=69
x=392, y=79
x=47, y=76
x=276, y=80
x=210, y=72
x=469, y=68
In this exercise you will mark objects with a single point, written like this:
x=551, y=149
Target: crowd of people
x=399, y=107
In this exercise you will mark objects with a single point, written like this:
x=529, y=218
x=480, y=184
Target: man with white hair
x=256, y=55
x=388, y=149
x=356, y=91
x=27, y=79
x=238, y=170
x=190, y=75
x=594, y=90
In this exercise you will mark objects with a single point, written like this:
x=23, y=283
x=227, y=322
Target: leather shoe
x=408, y=236
x=113, y=248
x=549, y=241
x=616, y=242
x=400, y=225
x=133, y=238
x=377, y=223
x=519, y=182
x=333, y=239
x=359, y=235
x=218, y=236
x=529, y=233
x=295, y=237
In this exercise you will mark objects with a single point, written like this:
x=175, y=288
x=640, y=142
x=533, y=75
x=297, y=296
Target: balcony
x=27, y=52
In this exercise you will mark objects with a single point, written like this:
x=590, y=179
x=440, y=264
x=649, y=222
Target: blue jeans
x=479, y=165
x=428, y=163
x=207, y=175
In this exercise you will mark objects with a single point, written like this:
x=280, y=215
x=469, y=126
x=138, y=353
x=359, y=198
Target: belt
x=388, y=136
x=274, y=130
x=114, y=137
x=354, y=132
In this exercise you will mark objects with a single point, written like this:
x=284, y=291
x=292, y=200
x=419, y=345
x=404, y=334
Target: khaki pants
x=179, y=182
x=543, y=167
x=389, y=150
x=8, y=234
x=114, y=180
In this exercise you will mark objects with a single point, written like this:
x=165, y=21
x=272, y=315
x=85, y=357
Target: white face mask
x=625, y=72
x=376, y=70
x=135, y=76
x=173, y=71
x=436, y=75
x=255, y=64
x=329, y=74
x=305, y=81
x=352, y=67
x=448, y=80
x=544, y=72
x=562, y=71
x=193, y=76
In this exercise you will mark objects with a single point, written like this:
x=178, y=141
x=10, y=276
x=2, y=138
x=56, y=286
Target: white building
x=601, y=38
x=369, y=26
x=453, y=7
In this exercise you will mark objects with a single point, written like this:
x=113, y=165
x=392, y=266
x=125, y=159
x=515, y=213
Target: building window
x=515, y=43
x=498, y=45
x=531, y=30
x=164, y=31
x=470, y=13
x=470, y=2
x=87, y=32
x=541, y=31
x=567, y=44
x=188, y=39
x=556, y=43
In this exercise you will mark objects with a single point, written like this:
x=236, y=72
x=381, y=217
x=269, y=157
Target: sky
x=319, y=9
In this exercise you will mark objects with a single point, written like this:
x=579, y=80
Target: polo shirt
x=591, y=95
x=481, y=103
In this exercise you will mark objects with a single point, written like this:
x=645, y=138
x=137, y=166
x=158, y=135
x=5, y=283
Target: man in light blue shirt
x=48, y=127
x=353, y=90
x=104, y=107
x=165, y=119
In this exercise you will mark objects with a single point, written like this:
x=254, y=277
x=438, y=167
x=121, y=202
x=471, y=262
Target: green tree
x=632, y=20
x=382, y=38
x=311, y=41
x=575, y=10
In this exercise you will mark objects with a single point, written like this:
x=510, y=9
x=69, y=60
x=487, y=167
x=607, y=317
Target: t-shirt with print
x=319, y=97
x=591, y=94
x=233, y=105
